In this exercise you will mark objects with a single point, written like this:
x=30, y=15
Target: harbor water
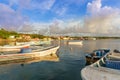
x=71, y=62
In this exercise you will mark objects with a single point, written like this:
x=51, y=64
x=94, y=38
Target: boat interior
x=110, y=60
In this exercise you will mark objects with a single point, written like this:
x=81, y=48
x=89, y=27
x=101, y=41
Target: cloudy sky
x=61, y=16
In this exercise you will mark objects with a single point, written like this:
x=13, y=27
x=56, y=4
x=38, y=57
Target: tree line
x=4, y=34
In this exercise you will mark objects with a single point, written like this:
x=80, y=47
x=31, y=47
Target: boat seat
x=98, y=53
x=96, y=56
x=113, y=64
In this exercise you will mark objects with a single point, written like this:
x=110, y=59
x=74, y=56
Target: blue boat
x=95, y=55
x=106, y=68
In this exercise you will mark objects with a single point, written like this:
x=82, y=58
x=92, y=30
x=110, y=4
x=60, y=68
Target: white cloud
x=33, y=4
x=13, y=19
x=10, y=18
x=42, y=5
x=47, y=4
x=61, y=11
x=58, y=26
x=94, y=7
x=75, y=2
x=12, y=2
x=101, y=19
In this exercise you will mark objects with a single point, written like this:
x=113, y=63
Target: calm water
x=71, y=62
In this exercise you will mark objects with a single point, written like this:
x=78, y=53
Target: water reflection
x=71, y=61
x=22, y=65
x=91, y=45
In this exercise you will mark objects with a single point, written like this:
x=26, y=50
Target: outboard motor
x=116, y=51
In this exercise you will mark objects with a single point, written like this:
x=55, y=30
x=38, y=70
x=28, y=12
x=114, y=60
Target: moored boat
x=95, y=55
x=106, y=68
x=28, y=56
x=75, y=43
x=34, y=43
x=13, y=48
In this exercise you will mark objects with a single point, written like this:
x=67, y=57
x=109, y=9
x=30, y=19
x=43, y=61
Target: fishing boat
x=47, y=50
x=75, y=43
x=34, y=43
x=106, y=68
x=13, y=48
x=25, y=55
x=95, y=55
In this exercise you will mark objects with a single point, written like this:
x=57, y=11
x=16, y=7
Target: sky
x=61, y=16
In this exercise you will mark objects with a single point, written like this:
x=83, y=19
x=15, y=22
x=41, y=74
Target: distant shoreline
x=7, y=39
x=14, y=40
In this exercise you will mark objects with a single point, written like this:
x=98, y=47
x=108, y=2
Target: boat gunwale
x=99, y=69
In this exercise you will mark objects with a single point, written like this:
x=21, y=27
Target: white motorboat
x=106, y=68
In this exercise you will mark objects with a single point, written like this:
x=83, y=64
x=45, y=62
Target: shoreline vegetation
x=13, y=36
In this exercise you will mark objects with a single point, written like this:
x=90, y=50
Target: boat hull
x=100, y=70
x=17, y=58
x=13, y=48
x=75, y=43
x=95, y=56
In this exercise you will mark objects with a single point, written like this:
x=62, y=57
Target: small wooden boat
x=75, y=42
x=48, y=50
x=25, y=55
x=95, y=55
x=106, y=68
x=34, y=43
x=13, y=48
